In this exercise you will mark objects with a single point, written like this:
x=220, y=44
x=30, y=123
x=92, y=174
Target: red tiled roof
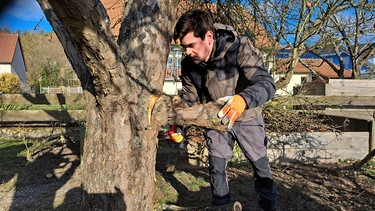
x=8, y=43
x=115, y=11
x=320, y=67
x=262, y=39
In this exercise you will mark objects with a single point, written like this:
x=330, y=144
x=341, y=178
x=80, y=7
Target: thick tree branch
x=366, y=159
x=91, y=38
x=170, y=110
x=71, y=51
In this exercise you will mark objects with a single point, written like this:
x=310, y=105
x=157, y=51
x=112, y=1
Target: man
x=220, y=65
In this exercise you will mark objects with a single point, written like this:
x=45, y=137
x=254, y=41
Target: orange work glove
x=174, y=134
x=233, y=108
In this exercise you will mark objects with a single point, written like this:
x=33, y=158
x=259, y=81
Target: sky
x=25, y=15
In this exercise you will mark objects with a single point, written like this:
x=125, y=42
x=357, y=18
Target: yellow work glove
x=233, y=108
x=175, y=135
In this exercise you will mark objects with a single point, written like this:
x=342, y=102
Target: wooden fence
x=344, y=97
x=347, y=98
x=59, y=113
x=353, y=144
x=350, y=87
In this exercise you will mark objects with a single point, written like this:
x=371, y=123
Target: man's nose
x=188, y=51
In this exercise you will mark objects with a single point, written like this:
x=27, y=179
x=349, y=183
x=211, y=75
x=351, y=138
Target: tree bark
x=284, y=81
x=118, y=161
x=119, y=79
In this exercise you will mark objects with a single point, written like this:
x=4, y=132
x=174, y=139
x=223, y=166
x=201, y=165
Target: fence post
x=328, y=89
x=371, y=144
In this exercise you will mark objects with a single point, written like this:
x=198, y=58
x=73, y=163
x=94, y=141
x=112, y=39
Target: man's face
x=197, y=49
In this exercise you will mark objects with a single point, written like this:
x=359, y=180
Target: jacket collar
x=225, y=37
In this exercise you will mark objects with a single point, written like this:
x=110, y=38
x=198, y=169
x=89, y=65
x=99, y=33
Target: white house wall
x=295, y=81
x=172, y=87
x=5, y=68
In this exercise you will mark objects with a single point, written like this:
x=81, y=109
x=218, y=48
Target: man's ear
x=209, y=36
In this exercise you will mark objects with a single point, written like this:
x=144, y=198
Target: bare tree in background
x=298, y=26
x=314, y=25
x=353, y=31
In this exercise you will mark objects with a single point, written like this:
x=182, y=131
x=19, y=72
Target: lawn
x=46, y=176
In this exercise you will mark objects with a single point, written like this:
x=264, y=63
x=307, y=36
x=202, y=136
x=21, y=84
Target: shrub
x=9, y=84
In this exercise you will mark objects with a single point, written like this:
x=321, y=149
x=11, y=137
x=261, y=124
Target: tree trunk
x=284, y=81
x=118, y=162
x=356, y=72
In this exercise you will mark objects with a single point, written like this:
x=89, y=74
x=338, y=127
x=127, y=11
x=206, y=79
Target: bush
x=9, y=84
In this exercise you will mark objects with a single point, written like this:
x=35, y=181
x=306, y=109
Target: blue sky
x=24, y=15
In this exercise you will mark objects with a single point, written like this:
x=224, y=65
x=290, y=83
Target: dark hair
x=197, y=21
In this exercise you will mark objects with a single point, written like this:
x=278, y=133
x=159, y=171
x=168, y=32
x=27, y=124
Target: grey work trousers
x=251, y=138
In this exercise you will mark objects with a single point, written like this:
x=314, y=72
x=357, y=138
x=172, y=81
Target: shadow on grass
x=300, y=186
x=35, y=183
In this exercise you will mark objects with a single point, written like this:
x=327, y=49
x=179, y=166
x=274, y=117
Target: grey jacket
x=235, y=67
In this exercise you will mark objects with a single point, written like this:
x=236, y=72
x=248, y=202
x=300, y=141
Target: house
x=172, y=82
x=319, y=73
x=11, y=56
x=367, y=69
x=115, y=10
x=304, y=78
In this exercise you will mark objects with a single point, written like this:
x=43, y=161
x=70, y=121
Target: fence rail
x=357, y=107
x=368, y=101
x=350, y=87
x=61, y=114
x=42, y=99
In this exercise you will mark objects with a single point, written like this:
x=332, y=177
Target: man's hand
x=233, y=108
x=175, y=134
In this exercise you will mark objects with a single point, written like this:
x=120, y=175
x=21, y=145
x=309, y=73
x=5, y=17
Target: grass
x=12, y=151
x=165, y=193
x=370, y=168
x=181, y=187
x=12, y=157
x=10, y=184
x=9, y=150
x=299, y=185
x=192, y=183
